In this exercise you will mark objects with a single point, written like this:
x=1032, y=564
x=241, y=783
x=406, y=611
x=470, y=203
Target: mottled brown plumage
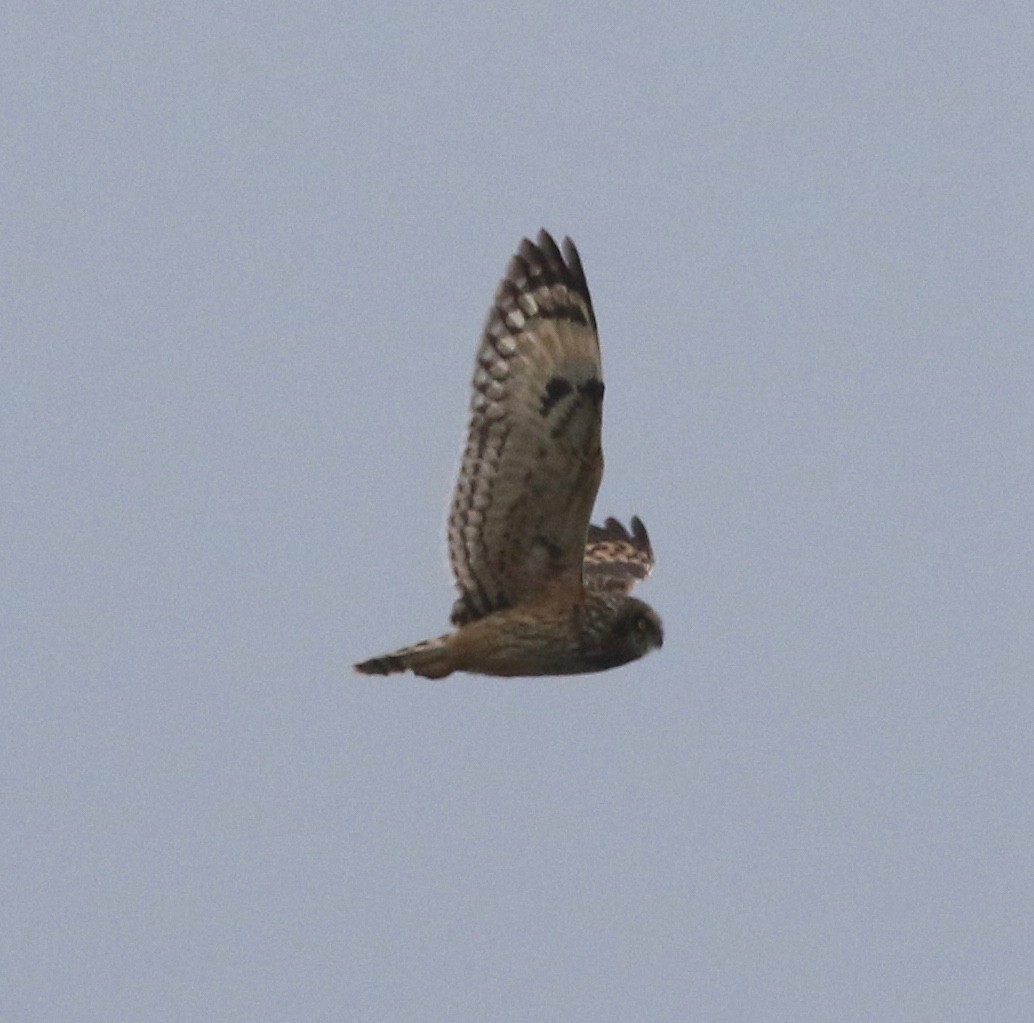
x=540, y=591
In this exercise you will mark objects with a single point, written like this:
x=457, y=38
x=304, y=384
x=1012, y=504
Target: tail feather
x=430, y=659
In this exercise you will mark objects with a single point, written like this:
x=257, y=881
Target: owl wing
x=533, y=462
x=616, y=558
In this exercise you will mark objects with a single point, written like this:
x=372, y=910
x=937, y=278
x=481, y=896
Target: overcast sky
x=247, y=250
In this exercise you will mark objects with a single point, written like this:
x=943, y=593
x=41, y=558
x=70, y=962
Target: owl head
x=631, y=629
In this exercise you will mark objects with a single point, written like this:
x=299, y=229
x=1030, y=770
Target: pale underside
x=533, y=460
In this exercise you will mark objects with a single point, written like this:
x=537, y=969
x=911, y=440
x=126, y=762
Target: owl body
x=606, y=629
x=541, y=591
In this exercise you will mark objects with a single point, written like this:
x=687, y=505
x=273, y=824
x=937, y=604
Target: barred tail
x=431, y=659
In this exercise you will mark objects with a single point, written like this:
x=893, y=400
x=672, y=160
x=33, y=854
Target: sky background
x=246, y=251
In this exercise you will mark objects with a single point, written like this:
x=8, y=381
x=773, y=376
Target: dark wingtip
x=548, y=247
x=612, y=529
x=571, y=257
x=640, y=534
x=541, y=263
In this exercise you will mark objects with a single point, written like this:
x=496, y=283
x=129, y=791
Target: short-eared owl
x=542, y=592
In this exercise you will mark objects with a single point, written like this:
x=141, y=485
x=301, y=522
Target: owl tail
x=431, y=659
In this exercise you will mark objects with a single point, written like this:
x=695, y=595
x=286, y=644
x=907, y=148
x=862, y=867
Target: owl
x=541, y=591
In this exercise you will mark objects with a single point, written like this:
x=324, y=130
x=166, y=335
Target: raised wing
x=533, y=461
x=616, y=558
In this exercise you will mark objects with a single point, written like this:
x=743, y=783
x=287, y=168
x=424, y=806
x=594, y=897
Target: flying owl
x=541, y=591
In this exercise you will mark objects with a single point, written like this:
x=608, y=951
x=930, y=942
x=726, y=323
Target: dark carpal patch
x=556, y=389
x=592, y=389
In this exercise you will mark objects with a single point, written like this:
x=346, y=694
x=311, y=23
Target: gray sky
x=247, y=252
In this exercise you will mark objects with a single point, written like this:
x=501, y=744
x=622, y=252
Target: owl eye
x=642, y=624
